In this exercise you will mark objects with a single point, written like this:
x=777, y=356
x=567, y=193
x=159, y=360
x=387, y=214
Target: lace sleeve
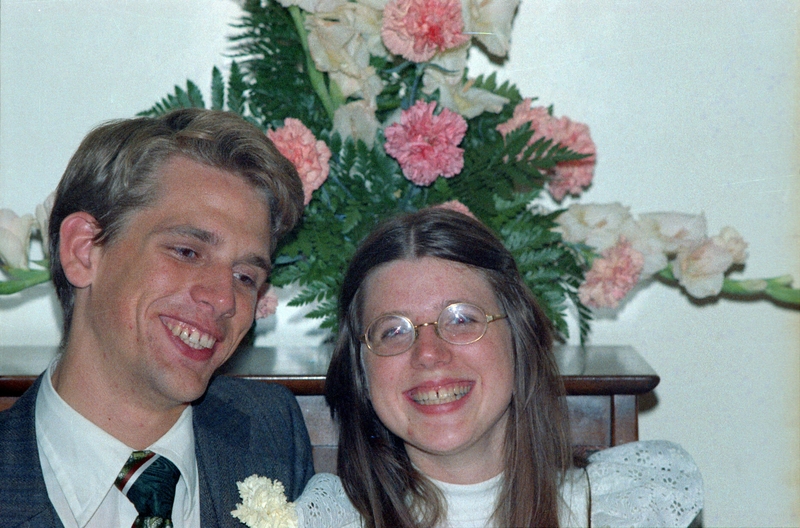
x=650, y=483
x=324, y=504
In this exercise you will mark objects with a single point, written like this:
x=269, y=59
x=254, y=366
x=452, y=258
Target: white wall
x=691, y=104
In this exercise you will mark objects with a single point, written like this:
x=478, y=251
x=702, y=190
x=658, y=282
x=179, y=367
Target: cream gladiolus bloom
x=335, y=45
x=645, y=238
x=312, y=6
x=455, y=94
x=341, y=42
x=678, y=231
x=357, y=120
x=491, y=21
x=732, y=241
x=15, y=236
x=43, y=211
x=701, y=268
x=597, y=225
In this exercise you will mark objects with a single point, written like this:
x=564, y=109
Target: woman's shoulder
x=324, y=504
x=648, y=483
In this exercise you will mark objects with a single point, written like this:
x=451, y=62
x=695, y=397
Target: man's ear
x=77, y=248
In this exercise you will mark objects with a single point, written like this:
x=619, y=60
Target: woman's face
x=449, y=403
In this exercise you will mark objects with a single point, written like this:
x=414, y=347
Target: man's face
x=176, y=290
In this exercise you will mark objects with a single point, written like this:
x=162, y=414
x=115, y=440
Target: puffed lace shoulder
x=324, y=504
x=641, y=484
x=648, y=483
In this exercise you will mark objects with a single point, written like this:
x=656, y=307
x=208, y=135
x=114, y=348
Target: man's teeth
x=193, y=338
x=441, y=395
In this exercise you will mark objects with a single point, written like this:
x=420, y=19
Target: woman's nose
x=430, y=350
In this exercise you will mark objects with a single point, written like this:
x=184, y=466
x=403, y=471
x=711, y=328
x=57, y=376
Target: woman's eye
x=459, y=320
x=393, y=332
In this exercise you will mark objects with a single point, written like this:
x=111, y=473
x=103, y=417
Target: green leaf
x=273, y=65
x=217, y=90
x=189, y=98
x=237, y=87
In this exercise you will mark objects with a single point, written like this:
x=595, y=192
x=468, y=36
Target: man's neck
x=111, y=405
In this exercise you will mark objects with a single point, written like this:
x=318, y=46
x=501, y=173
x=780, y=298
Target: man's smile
x=193, y=337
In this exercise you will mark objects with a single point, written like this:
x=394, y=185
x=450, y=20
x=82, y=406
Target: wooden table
x=602, y=385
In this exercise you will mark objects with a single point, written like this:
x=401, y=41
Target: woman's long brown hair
x=373, y=464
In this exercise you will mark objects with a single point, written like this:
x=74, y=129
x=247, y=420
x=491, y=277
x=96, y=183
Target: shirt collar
x=86, y=460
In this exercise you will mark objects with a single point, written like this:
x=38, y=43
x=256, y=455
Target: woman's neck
x=458, y=468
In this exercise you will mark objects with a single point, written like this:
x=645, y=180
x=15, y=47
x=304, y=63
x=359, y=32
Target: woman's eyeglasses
x=458, y=324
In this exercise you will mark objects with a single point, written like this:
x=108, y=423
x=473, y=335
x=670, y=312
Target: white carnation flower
x=264, y=504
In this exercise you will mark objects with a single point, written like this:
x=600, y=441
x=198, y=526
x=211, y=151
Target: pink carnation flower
x=309, y=156
x=455, y=205
x=425, y=145
x=612, y=276
x=417, y=29
x=569, y=177
x=267, y=304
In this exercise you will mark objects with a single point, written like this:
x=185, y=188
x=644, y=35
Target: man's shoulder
x=19, y=417
x=22, y=489
x=248, y=397
x=234, y=389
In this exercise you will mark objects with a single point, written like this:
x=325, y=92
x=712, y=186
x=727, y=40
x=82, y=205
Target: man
x=160, y=243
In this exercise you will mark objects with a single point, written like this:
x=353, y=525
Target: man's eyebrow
x=259, y=262
x=207, y=237
x=212, y=239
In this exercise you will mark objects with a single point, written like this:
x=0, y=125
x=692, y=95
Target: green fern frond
x=237, y=88
x=217, y=90
x=273, y=65
x=192, y=97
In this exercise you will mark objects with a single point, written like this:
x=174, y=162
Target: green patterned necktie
x=148, y=480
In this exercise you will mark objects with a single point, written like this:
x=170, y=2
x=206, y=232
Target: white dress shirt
x=80, y=463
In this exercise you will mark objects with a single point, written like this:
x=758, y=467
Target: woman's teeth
x=441, y=395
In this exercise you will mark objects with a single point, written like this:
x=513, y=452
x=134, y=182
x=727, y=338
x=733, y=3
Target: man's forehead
x=187, y=194
x=255, y=185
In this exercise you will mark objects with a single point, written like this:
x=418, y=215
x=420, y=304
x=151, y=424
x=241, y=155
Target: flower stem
x=22, y=279
x=315, y=76
x=777, y=289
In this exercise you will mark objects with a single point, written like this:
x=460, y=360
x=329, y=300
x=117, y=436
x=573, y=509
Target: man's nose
x=215, y=288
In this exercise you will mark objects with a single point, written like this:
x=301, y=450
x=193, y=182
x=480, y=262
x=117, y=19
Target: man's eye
x=185, y=253
x=245, y=279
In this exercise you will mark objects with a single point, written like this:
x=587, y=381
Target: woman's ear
x=76, y=248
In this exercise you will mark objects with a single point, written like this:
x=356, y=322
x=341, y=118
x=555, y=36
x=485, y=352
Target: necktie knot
x=149, y=480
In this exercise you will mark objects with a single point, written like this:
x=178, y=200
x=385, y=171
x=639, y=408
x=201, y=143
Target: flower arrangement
x=372, y=102
x=264, y=504
x=16, y=234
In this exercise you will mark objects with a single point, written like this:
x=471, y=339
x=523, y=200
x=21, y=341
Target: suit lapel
x=221, y=440
x=23, y=494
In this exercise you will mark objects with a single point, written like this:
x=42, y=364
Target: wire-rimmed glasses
x=458, y=324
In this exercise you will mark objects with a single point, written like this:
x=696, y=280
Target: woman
x=450, y=408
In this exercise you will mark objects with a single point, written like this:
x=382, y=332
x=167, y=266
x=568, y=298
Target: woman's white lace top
x=647, y=484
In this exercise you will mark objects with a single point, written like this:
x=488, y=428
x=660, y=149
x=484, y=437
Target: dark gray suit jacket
x=240, y=427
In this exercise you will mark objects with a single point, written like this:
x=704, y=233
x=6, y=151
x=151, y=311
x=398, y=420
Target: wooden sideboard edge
x=14, y=386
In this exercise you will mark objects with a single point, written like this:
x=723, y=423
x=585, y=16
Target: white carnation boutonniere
x=264, y=504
